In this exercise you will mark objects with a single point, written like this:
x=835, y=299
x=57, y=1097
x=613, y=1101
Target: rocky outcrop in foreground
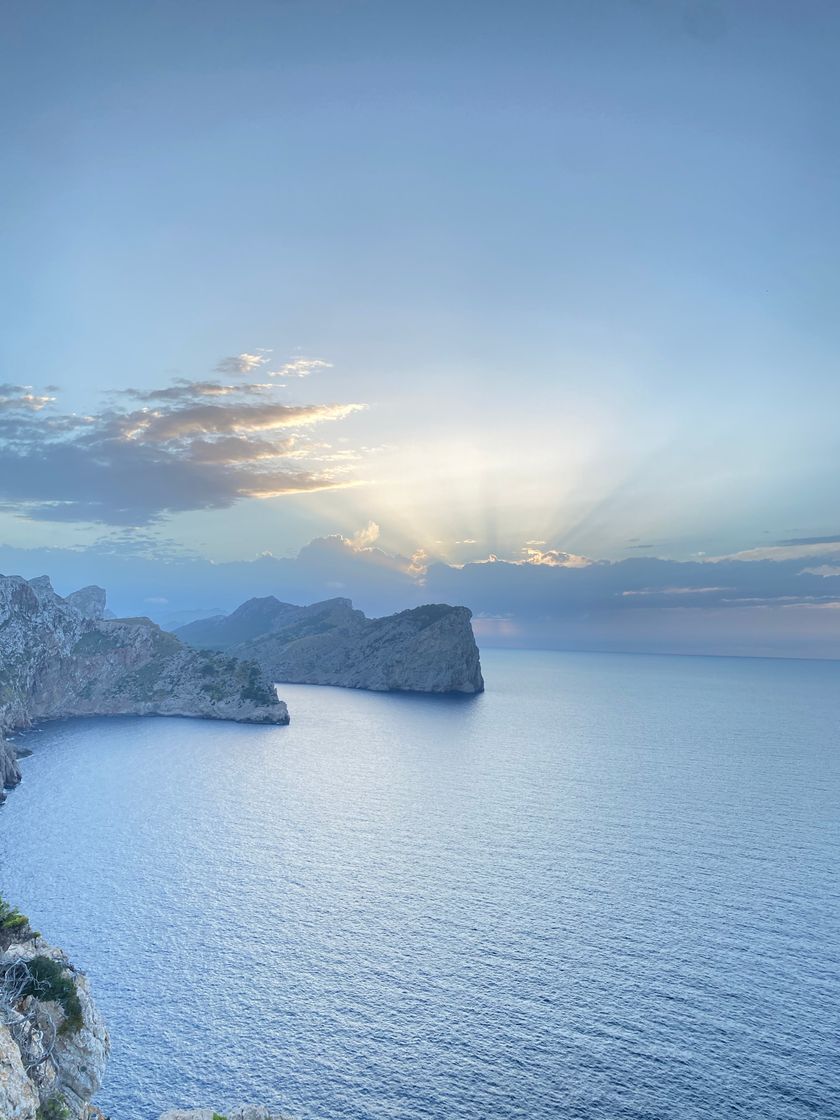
x=61, y=657
x=427, y=649
x=53, y=1043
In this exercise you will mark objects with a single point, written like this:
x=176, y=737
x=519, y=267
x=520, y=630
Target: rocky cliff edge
x=61, y=657
x=53, y=1043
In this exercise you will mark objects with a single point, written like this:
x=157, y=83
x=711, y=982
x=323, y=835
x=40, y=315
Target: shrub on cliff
x=14, y=926
x=10, y=918
x=48, y=982
x=54, y=1109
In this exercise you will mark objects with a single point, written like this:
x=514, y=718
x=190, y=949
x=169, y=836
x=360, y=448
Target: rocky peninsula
x=426, y=649
x=61, y=657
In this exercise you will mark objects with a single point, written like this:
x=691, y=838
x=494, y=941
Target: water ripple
x=605, y=890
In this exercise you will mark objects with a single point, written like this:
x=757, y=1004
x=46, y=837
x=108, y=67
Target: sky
x=475, y=293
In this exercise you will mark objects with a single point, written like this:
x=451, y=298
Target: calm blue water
x=607, y=889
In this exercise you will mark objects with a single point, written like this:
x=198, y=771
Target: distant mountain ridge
x=425, y=649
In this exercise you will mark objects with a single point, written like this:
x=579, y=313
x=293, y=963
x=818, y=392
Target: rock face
x=53, y=1043
x=89, y=601
x=60, y=657
x=18, y=1095
x=427, y=649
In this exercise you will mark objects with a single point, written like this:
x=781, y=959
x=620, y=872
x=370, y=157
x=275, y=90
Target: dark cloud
x=183, y=391
x=764, y=607
x=195, y=445
x=537, y=591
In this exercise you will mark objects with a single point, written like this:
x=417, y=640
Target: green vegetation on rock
x=254, y=689
x=94, y=642
x=48, y=982
x=10, y=918
x=54, y=1109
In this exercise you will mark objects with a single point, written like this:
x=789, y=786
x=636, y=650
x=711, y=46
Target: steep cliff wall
x=427, y=649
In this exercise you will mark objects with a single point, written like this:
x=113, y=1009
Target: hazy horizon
x=765, y=605
x=532, y=311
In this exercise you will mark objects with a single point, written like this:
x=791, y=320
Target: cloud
x=247, y=363
x=358, y=553
x=300, y=367
x=366, y=537
x=765, y=607
x=563, y=591
x=418, y=564
x=781, y=552
x=245, y=449
x=185, y=391
x=16, y=398
x=164, y=425
x=553, y=558
x=678, y=591
x=243, y=363
x=193, y=445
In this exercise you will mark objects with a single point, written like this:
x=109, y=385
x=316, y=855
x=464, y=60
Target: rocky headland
x=53, y=1043
x=61, y=657
x=426, y=649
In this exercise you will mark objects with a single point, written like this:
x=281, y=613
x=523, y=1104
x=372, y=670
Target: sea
x=606, y=889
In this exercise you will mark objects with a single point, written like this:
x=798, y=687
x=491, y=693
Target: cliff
x=427, y=649
x=53, y=1043
x=61, y=657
